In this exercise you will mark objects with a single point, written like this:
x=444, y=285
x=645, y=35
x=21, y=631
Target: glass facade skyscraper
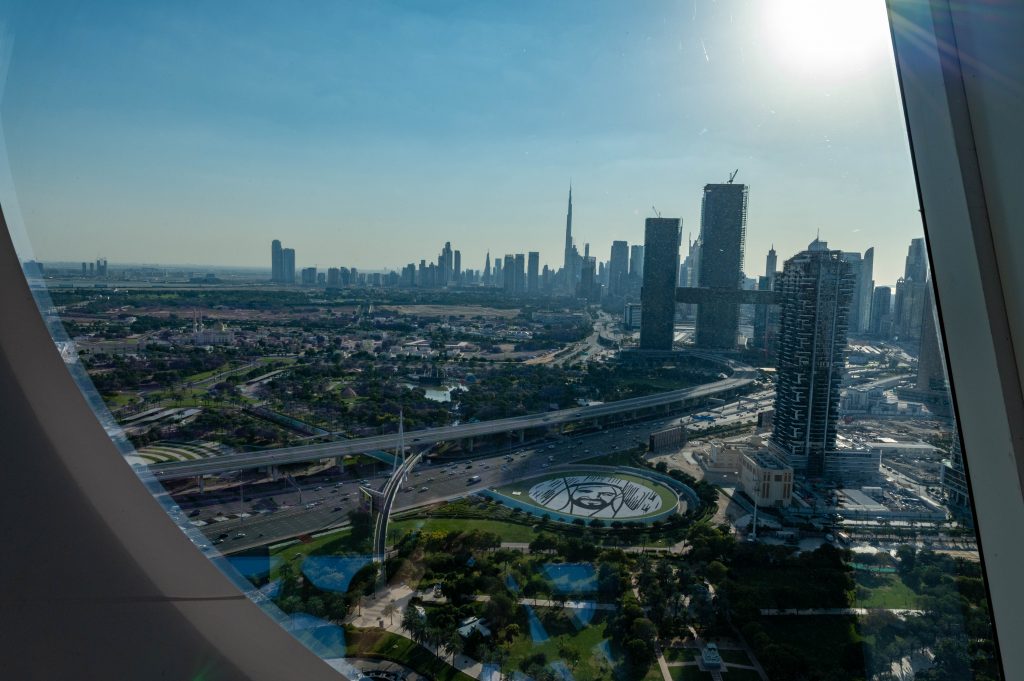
x=658, y=294
x=816, y=288
x=723, y=224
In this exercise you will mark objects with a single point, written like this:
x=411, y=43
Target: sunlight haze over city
x=369, y=134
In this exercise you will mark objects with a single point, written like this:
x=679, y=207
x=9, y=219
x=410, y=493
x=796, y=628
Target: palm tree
x=414, y=623
x=454, y=645
x=389, y=611
x=433, y=636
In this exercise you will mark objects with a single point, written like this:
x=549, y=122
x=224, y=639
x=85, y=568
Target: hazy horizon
x=368, y=135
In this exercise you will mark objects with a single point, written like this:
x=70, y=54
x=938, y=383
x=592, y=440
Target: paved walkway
x=680, y=548
x=371, y=614
x=728, y=644
x=659, y=654
x=838, y=611
x=544, y=603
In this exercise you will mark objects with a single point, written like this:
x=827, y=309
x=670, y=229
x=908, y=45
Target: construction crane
x=656, y=211
x=732, y=175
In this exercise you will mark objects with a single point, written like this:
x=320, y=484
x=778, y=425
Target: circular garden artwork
x=601, y=496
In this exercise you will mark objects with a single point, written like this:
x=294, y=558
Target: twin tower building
x=809, y=302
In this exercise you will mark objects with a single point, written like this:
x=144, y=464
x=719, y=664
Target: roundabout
x=595, y=493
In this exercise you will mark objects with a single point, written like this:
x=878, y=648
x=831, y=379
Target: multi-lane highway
x=742, y=376
x=279, y=515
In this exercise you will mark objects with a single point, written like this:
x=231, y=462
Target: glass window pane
x=566, y=340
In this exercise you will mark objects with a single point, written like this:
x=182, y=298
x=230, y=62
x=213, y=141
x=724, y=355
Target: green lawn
x=373, y=643
x=886, y=591
x=562, y=632
x=119, y=399
x=680, y=654
x=692, y=673
x=734, y=656
x=511, y=532
x=831, y=635
x=205, y=374
x=339, y=542
x=653, y=673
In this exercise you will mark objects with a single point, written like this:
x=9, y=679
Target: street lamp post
x=241, y=499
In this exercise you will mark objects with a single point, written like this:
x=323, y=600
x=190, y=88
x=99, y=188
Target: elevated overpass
x=741, y=377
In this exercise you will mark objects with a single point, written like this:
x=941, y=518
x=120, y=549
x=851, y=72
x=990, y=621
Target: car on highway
x=475, y=478
x=423, y=489
x=240, y=535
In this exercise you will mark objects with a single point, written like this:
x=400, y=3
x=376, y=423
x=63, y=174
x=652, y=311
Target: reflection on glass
x=437, y=430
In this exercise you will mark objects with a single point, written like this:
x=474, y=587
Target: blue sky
x=369, y=133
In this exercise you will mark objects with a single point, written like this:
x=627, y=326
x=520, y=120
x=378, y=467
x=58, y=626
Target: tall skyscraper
x=911, y=291
x=446, y=265
x=766, y=317
x=954, y=479
x=881, y=313
x=722, y=235
x=658, y=294
x=569, y=264
x=867, y=287
x=508, y=272
x=860, y=306
x=908, y=309
x=497, y=276
x=487, y=270
x=519, y=279
x=854, y=260
x=636, y=262
x=931, y=374
x=916, y=266
x=618, y=269
x=816, y=288
x=533, y=272
x=457, y=267
x=288, y=266
x=589, y=288
x=276, y=262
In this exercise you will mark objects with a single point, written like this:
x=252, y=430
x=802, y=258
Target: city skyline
x=132, y=152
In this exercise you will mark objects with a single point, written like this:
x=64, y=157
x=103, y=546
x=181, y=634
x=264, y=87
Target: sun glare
x=833, y=36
